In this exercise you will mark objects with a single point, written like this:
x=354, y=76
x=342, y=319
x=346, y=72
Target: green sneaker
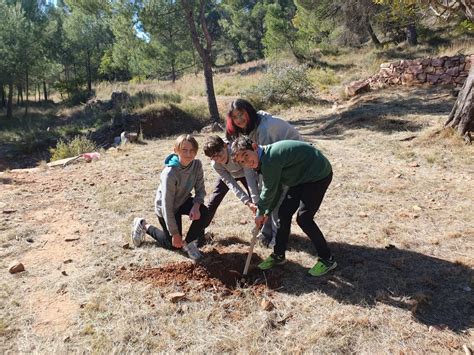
x=322, y=267
x=271, y=261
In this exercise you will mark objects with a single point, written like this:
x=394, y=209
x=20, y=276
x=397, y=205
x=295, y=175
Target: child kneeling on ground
x=307, y=173
x=182, y=174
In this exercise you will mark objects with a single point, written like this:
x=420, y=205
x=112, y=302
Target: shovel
x=255, y=232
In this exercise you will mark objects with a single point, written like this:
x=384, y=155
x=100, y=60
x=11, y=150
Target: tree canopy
x=74, y=43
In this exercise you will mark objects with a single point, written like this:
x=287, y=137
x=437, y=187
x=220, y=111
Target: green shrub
x=34, y=141
x=328, y=49
x=77, y=146
x=74, y=91
x=466, y=26
x=283, y=84
x=323, y=78
x=137, y=79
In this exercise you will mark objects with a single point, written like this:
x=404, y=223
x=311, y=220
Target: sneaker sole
x=135, y=242
x=333, y=266
x=279, y=264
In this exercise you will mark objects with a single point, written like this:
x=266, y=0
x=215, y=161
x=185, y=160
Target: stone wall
x=444, y=70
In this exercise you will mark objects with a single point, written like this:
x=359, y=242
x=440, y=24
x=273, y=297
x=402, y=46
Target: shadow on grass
x=230, y=241
x=433, y=290
x=380, y=114
x=260, y=68
x=316, y=63
x=5, y=181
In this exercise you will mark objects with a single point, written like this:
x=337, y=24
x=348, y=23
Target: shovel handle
x=255, y=232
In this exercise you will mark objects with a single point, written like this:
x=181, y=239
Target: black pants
x=306, y=198
x=218, y=194
x=196, y=230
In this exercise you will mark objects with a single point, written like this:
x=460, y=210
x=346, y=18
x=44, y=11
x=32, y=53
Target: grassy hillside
x=168, y=108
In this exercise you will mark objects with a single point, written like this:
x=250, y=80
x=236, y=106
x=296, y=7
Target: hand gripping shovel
x=255, y=232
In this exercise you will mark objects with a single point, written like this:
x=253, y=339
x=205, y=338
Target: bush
x=77, y=146
x=137, y=79
x=283, y=84
x=323, y=79
x=34, y=141
x=74, y=91
x=144, y=98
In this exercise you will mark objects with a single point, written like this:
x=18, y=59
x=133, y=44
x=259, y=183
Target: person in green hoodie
x=308, y=174
x=182, y=174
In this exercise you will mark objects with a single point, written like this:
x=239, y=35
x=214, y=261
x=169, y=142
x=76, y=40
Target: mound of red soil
x=220, y=270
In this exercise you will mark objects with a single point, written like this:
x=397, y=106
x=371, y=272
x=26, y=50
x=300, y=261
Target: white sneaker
x=192, y=250
x=138, y=231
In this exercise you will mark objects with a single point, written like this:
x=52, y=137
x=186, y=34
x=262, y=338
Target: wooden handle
x=255, y=232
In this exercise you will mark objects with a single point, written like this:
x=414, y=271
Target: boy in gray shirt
x=230, y=173
x=182, y=174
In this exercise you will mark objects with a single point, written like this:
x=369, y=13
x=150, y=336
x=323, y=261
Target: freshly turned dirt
x=220, y=270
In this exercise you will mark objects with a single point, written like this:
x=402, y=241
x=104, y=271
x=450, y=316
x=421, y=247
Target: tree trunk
x=211, y=96
x=260, y=47
x=412, y=37
x=196, y=68
x=89, y=73
x=204, y=53
x=27, y=93
x=238, y=52
x=19, y=95
x=4, y=101
x=10, y=100
x=173, y=71
x=462, y=115
x=74, y=70
x=45, y=91
x=372, y=35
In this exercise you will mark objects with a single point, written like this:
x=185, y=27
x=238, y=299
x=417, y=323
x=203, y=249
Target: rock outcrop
x=444, y=70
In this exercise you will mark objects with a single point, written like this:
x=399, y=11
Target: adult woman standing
x=263, y=129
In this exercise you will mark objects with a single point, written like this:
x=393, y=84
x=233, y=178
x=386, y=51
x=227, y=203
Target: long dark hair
x=232, y=131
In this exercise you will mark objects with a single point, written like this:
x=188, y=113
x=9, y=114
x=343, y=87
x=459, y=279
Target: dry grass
x=459, y=47
x=396, y=184
x=398, y=217
x=228, y=82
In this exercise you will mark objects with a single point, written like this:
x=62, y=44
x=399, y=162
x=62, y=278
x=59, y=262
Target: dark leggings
x=218, y=194
x=306, y=198
x=196, y=230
